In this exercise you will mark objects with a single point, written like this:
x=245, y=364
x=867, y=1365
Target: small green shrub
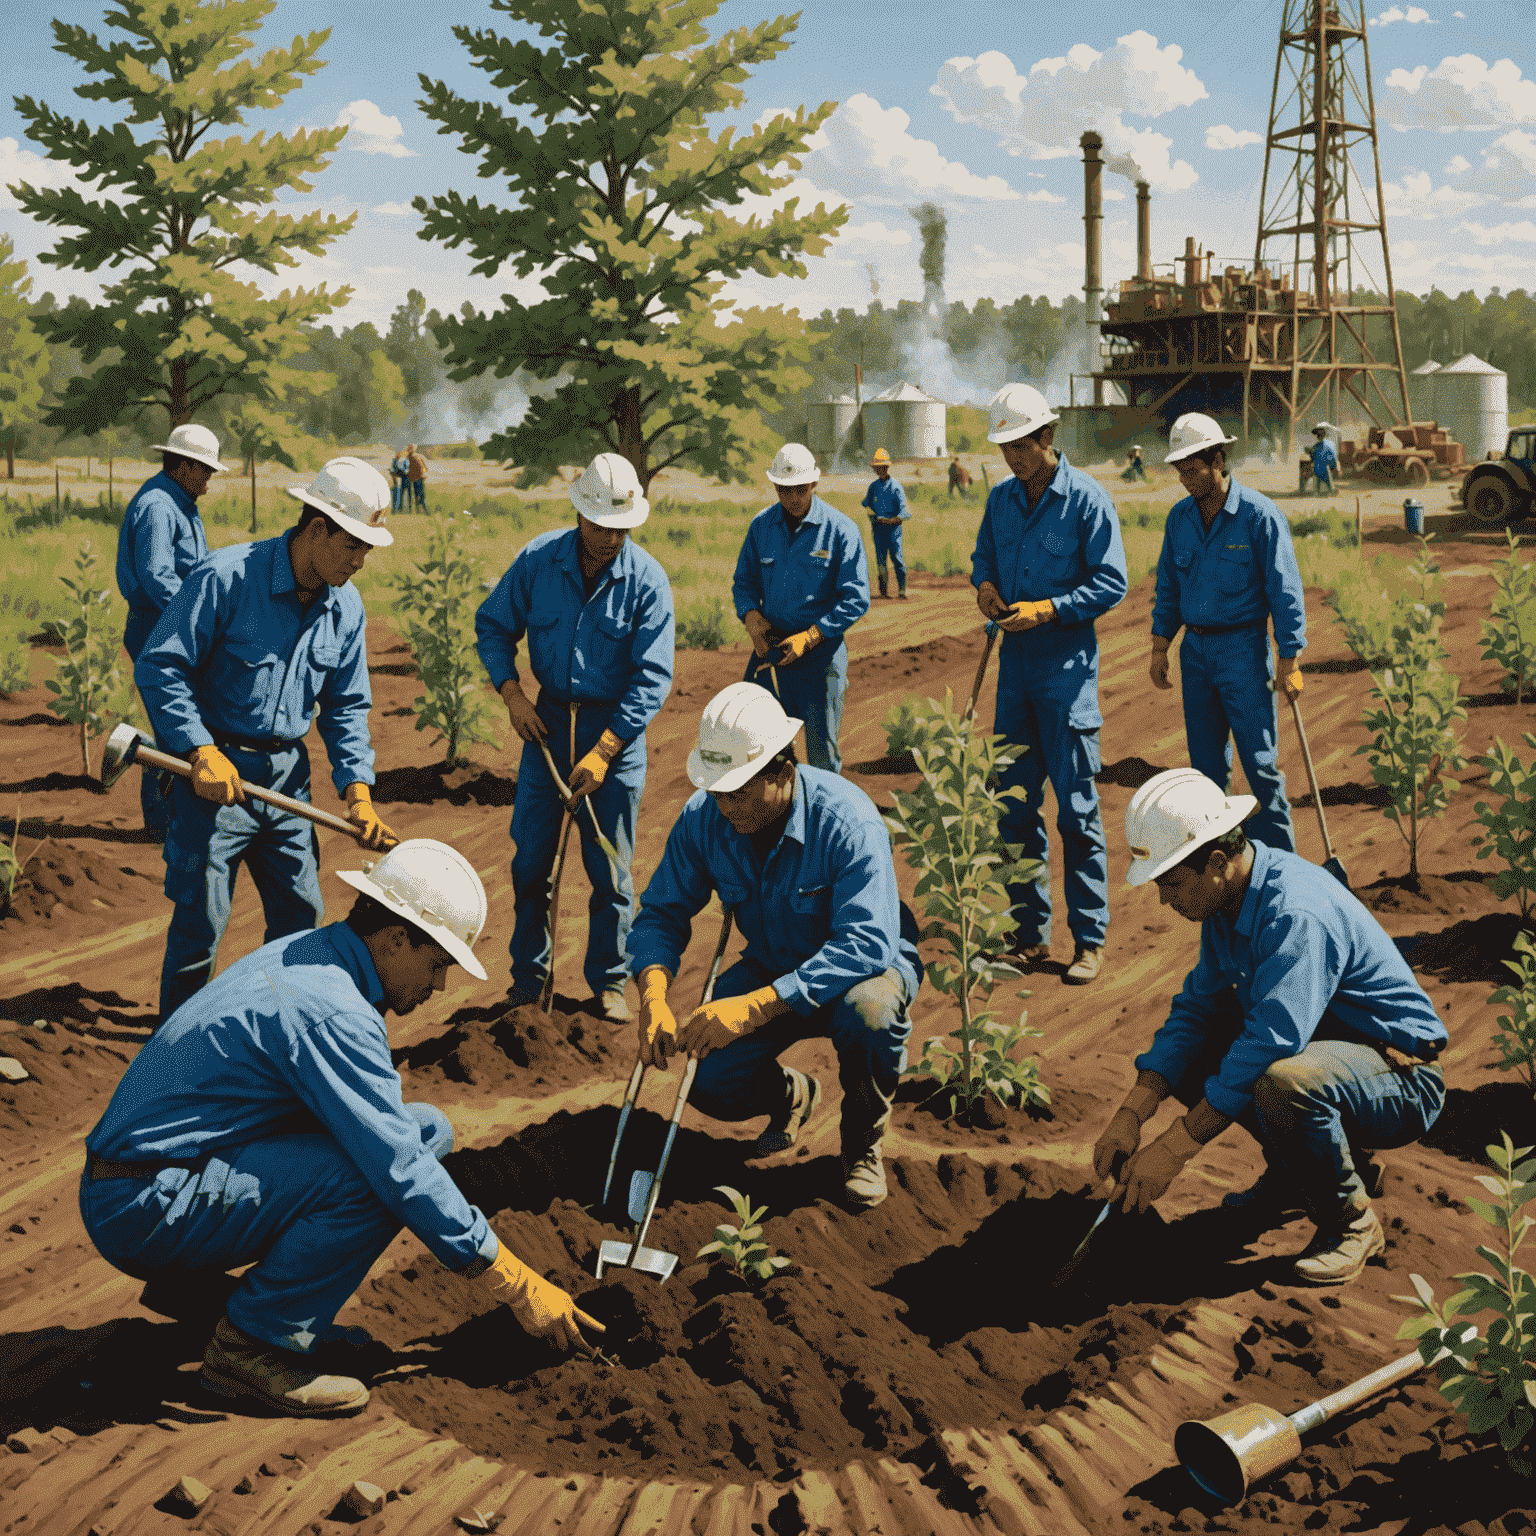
x=1509, y=632
x=1516, y=1040
x=701, y=625
x=1366, y=608
x=508, y=508
x=15, y=669
x=1511, y=826
x=90, y=674
x=1329, y=524
x=742, y=1246
x=903, y=730
x=680, y=536
x=456, y=451
x=11, y=867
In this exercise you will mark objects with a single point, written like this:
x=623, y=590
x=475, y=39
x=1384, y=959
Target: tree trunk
x=253, y=490
x=632, y=445
x=85, y=751
x=10, y=460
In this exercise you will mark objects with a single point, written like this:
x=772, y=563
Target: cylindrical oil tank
x=828, y=423
x=1421, y=391
x=1472, y=404
x=907, y=423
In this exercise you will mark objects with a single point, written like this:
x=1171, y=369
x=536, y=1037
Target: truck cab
x=1503, y=490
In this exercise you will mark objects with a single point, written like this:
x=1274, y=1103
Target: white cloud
x=1457, y=165
x=1499, y=234
x=1414, y=14
x=1043, y=195
x=395, y=210
x=864, y=150
x=1220, y=136
x=1040, y=115
x=1459, y=15
x=1415, y=196
x=371, y=131
x=1461, y=92
x=18, y=164
x=873, y=233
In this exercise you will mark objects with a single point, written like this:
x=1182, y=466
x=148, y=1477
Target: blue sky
x=978, y=107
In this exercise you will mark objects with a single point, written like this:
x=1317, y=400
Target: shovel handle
x=981, y=670
x=631, y=1093
x=1317, y=794
x=1357, y=1392
x=148, y=757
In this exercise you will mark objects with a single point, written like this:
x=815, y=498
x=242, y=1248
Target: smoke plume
x=933, y=226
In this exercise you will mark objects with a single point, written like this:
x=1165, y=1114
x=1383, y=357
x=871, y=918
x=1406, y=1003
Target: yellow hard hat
x=881, y=457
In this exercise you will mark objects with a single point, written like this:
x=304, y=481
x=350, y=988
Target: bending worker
x=1324, y=459
x=1226, y=568
x=1048, y=561
x=802, y=860
x=258, y=639
x=887, y=503
x=265, y=1125
x=597, y=611
x=1135, y=469
x=801, y=583
x=1301, y=1022
x=161, y=539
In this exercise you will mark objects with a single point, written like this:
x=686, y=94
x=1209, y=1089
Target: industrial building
x=903, y=420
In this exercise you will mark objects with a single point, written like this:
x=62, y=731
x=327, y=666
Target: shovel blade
x=650, y=1261
x=639, y=1194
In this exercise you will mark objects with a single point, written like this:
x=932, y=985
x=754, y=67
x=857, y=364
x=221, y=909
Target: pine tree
x=23, y=356
x=623, y=199
x=180, y=209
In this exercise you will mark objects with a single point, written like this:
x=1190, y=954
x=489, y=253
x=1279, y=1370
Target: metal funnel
x=1224, y=1455
x=117, y=756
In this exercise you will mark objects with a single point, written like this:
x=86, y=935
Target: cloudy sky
x=978, y=107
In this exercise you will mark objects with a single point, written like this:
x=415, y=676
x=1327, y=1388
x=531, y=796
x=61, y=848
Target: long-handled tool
x=1330, y=861
x=609, y=851
x=1079, y=1253
x=645, y=1188
x=127, y=746
x=981, y=668
x=547, y=992
x=1226, y=1454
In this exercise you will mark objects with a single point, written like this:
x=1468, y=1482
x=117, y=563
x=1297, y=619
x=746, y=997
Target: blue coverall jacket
x=886, y=498
x=1324, y=462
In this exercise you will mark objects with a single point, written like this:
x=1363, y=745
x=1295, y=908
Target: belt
x=266, y=747
x=109, y=1168
x=1223, y=629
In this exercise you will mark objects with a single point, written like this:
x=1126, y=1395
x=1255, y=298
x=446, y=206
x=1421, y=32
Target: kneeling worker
x=802, y=860
x=264, y=1125
x=1301, y=1022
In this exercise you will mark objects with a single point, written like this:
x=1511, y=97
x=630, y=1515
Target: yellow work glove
x=712, y=1025
x=989, y=601
x=361, y=814
x=1148, y=1174
x=520, y=711
x=658, y=1024
x=214, y=777
x=543, y=1309
x=1288, y=676
x=1027, y=615
x=592, y=769
x=1122, y=1135
x=760, y=631
x=1158, y=670
x=793, y=647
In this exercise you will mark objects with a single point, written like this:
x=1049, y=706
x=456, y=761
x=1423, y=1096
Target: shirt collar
x=795, y=826
x=357, y=961
x=282, y=574
x=1234, y=496
x=814, y=518
x=1248, y=914
x=183, y=499
x=568, y=558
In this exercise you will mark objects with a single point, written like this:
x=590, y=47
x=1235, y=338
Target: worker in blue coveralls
x=887, y=503
x=802, y=861
x=801, y=584
x=1301, y=1022
x=1324, y=459
x=1226, y=569
x=259, y=638
x=597, y=611
x=1135, y=469
x=1048, y=562
x=161, y=539
x=264, y=1125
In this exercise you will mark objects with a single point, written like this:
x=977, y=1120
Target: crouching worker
x=801, y=858
x=1301, y=1022
x=263, y=1124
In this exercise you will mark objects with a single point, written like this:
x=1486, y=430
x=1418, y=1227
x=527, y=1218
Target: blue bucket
x=1413, y=515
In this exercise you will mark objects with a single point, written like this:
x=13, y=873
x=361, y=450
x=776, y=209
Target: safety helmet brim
x=723, y=778
x=1012, y=433
x=191, y=453
x=801, y=477
x=370, y=533
x=1238, y=809
x=439, y=935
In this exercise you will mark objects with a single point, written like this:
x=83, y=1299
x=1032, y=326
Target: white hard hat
x=794, y=464
x=354, y=495
x=1173, y=814
x=1016, y=410
x=433, y=887
x=1192, y=434
x=608, y=493
x=193, y=442
x=1322, y=426
x=740, y=730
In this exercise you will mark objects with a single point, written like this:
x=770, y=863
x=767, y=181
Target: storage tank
x=1421, y=391
x=828, y=423
x=1472, y=404
x=907, y=423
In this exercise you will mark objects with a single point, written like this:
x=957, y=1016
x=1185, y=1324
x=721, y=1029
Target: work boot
x=802, y=1093
x=1027, y=956
x=902, y=594
x=1338, y=1256
x=1086, y=965
x=612, y=1005
x=864, y=1178
x=1270, y=1199
x=237, y=1366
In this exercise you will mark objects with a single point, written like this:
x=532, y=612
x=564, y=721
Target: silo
x=1421, y=391
x=828, y=424
x=907, y=423
x=1472, y=404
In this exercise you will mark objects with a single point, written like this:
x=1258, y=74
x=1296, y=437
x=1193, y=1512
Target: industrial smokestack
x=1093, y=221
x=933, y=226
x=1143, y=231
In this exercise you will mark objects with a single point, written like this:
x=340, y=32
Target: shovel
x=1330, y=861
x=547, y=992
x=981, y=670
x=1079, y=1253
x=1227, y=1454
x=645, y=1188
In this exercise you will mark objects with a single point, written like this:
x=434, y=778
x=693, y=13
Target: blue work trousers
x=888, y=543
x=1069, y=758
x=1317, y=1113
x=397, y=494
x=294, y=1206
x=537, y=818
x=811, y=690
x=868, y=1027
x=204, y=849
x=1229, y=696
x=155, y=787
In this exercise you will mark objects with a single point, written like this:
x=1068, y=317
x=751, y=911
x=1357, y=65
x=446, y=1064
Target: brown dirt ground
x=916, y=1369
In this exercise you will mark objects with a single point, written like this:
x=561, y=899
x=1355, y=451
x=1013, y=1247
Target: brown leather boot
x=235, y=1365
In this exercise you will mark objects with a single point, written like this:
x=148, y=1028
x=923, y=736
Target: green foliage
x=701, y=625
x=948, y=829
x=11, y=867
x=1329, y=524
x=1366, y=607
x=1511, y=827
x=498, y=506
x=742, y=1246
x=1509, y=632
x=1414, y=740
x=436, y=603
x=621, y=200
x=182, y=211
x=457, y=451
x=23, y=356
x=1489, y=1377
x=1516, y=1040
x=15, y=669
x=903, y=731
x=90, y=675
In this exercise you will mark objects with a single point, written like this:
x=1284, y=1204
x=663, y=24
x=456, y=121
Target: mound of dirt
x=457, y=786
x=925, y=1116
x=1472, y=950
x=82, y=880
x=520, y=1050
x=1443, y=896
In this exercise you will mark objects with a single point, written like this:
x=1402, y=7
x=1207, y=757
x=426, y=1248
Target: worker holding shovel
x=801, y=859
x=597, y=613
x=1301, y=1022
x=259, y=640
